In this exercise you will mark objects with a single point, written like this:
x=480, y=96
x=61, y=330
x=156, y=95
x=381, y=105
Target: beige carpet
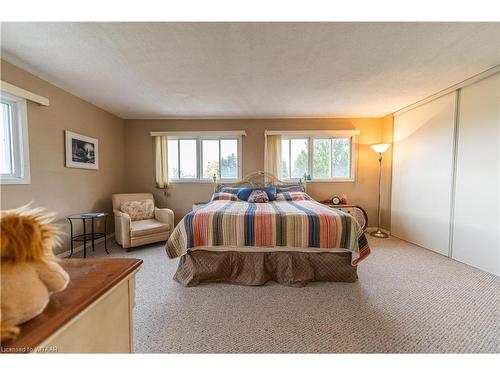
x=407, y=299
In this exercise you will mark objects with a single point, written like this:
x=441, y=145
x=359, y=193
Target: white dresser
x=94, y=314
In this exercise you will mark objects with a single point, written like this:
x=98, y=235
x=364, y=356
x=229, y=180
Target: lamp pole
x=379, y=148
x=378, y=233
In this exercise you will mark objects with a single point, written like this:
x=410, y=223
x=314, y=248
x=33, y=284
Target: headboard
x=257, y=179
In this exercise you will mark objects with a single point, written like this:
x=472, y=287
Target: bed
x=292, y=240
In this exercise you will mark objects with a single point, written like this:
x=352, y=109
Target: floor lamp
x=380, y=148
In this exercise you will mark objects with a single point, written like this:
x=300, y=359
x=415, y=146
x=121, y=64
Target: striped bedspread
x=302, y=225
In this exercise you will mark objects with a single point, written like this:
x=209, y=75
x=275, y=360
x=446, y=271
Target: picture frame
x=81, y=151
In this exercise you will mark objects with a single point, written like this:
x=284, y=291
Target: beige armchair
x=129, y=233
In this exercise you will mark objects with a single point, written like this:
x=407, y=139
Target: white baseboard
x=79, y=249
x=373, y=229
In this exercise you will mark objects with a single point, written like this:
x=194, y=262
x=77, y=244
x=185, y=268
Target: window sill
x=15, y=180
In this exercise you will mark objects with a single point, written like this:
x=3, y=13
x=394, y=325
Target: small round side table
x=93, y=235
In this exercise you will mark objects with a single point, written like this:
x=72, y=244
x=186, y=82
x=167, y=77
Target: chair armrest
x=122, y=215
x=165, y=215
x=122, y=228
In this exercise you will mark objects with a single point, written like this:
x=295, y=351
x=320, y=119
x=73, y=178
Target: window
x=199, y=159
x=210, y=157
x=220, y=157
x=187, y=158
x=14, y=153
x=332, y=158
x=294, y=157
x=323, y=158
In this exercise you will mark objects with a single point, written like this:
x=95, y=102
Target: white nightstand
x=356, y=211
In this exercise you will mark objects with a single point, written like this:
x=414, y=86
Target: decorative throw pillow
x=244, y=193
x=258, y=196
x=139, y=210
x=224, y=197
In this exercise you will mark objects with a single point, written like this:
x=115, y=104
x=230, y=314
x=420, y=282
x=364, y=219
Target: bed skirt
x=257, y=268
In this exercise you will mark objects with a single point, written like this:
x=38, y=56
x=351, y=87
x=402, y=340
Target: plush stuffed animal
x=29, y=272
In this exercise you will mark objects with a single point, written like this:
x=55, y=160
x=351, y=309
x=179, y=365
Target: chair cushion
x=146, y=227
x=139, y=210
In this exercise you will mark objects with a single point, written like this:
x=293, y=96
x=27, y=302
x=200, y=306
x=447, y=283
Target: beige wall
x=66, y=190
x=180, y=196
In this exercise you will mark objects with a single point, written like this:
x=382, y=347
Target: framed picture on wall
x=81, y=151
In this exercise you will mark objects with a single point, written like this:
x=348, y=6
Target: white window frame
x=199, y=157
x=351, y=159
x=179, y=179
x=329, y=134
x=20, y=141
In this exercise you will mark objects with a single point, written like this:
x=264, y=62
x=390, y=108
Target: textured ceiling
x=252, y=70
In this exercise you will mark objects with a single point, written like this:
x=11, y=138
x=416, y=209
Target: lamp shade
x=380, y=147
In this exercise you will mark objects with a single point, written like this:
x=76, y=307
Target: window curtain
x=161, y=160
x=273, y=157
